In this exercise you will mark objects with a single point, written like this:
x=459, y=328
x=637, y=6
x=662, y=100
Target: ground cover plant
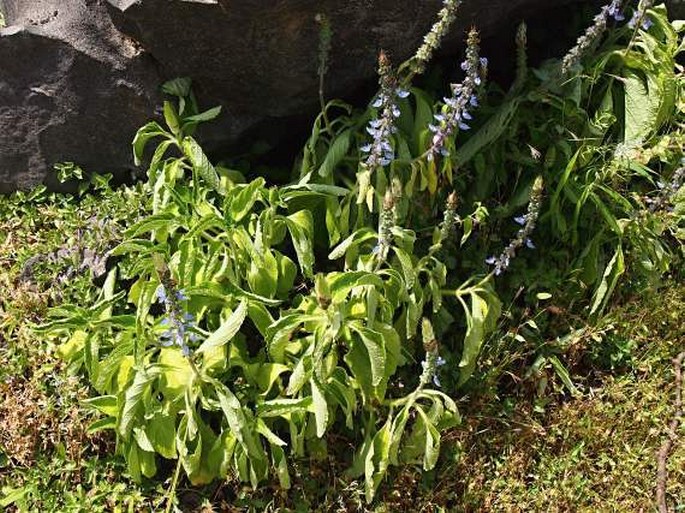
x=427, y=246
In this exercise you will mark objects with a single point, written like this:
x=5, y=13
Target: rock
x=80, y=76
x=72, y=88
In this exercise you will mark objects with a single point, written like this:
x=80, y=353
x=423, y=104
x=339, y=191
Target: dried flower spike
x=521, y=56
x=385, y=225
x=433, y=359
x=432, y=40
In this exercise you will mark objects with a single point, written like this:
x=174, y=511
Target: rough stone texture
x=78, y=77
x=72, y=88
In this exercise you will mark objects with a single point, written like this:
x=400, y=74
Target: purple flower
x=522, y=238
x=161, y=293
x=614, y=10
x=593, y=33
x=380, y=150
x=454, y=111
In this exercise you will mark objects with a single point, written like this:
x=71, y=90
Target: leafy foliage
x=244, y=323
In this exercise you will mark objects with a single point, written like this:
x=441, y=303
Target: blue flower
x=614, y=10
x=646, y=23
x=520, y=220
x=454, y=111
x=161, y=293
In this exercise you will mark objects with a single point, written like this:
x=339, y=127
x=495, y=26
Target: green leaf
x=563, y=374
x=492, y=130
x=355, y=239
x=227, y=330
x=200, y=163
x=336, y=152
x=207, y=115
x=284, y=407
x=377, y=460
x=340, y=284
x=244, y=198
x=320, y=408
x=280, y=463
x=161, y=432
x=641, y=109
x=143, y=135
x=106, y=404
x=301, y=228
x=262, y=276
x=432, y=447
x=164, y=221
x=171, y=118
x=133, y=400
x=375, y=347
x=475, y=336
x=407, y=267
x=177, y=87
x=613, y=271
x=240, y=426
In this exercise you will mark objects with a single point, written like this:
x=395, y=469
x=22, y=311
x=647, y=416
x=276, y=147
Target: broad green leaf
x=563, y=374
x=341, y=284
x=407, y=266
x=475, y=336
x=161, y=432
x=106, y=404
x=336, y=152
x=283, y=407
x=239, y=424
x=177, y=87
x=301, y=227
x=641, y=109
x=227, y=330
x=143, y=135
x=376, y=461
x=320, y=408
x=356, y=238
x=177, y=375
x=432, y=447
x=171, y=118
x=243, y=199
x=375, y=347
x=200, y=162
x=207, y=115
x=133, y=400
x=492, y=130
x=280, y=463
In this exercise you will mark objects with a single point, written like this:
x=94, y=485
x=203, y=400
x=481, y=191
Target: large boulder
x=77, y=77
x=72, y=88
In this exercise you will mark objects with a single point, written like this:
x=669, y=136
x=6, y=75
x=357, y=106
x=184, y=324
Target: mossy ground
x=517, y=450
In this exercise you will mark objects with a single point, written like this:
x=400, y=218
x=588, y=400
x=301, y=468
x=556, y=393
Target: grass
x=526, y=444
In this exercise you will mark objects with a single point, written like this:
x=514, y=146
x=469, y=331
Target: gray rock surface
x=78, y=77
x=72, y=88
